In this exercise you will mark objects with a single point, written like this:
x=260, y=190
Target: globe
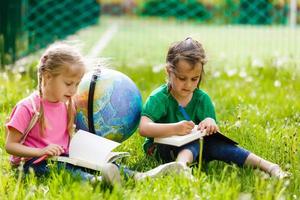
x=108, y=104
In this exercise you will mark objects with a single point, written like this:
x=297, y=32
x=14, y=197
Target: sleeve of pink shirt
x=20, y=116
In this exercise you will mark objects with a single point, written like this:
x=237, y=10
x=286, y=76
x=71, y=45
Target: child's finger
x=192, y=123
x=208, y=129
x=201, y=126
x=61, y=150
x=213, y=129
x=216, y=129
x=50, y=152
x=55, y=151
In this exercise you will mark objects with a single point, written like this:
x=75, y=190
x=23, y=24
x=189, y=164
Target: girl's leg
x=39, y=169
x=76, y=172
x=215, y=149
x=265, y=165
x=166, y=153
x=188, y=153
x=110, y=173
x=185, y=156
x=258, y=162
x=219, y=150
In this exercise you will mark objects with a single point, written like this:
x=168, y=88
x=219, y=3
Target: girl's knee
x=185, y=156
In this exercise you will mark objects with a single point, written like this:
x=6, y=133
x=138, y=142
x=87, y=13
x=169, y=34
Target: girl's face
x=184, y=80
x=62, y=87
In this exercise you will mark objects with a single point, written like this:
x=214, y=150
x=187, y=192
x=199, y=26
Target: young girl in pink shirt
x=59, y=72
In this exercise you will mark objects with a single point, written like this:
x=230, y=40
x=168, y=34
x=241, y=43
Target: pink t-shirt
x=55, y=114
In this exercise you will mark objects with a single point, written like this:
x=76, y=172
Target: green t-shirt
x=162, y=107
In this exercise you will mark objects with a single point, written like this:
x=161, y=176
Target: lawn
x=252, y=78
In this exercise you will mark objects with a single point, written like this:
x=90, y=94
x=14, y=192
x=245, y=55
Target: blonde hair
x=189, y=50
x=54, y=61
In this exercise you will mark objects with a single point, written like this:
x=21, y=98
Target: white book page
x=194, y=134
x=90, y=147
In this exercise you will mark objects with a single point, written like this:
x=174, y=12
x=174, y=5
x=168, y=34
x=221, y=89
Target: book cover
x=91, y=151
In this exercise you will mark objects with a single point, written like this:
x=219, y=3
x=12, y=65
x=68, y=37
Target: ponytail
x=71, y=116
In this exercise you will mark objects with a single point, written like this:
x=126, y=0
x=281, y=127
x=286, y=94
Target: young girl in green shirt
x=161, y=116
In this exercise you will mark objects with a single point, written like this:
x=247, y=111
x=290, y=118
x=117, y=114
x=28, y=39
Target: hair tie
x=44, y=59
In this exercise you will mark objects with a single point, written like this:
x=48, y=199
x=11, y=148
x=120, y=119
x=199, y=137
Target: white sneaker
x=161, y=170
x=111, y=174
x=96, y=179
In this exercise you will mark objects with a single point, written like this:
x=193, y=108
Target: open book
x=91, y=151
x=179, y=140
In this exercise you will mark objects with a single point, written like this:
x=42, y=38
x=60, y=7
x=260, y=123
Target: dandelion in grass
x=141, y=61
x=268, y=131
x=280, y=61
x=231, y=72
x=249, y=79
x=158, y=68
x=223, y=55
x=256, y=62
x=21, y=69
x=4, y=76
x=245, y=196
x=243, y=74
x=28, y=91
x=45, y=189
x=31, y=192
x=216, y=74
x=18, y=77
x=277, y=83
x=238, y=124
x=258, y=113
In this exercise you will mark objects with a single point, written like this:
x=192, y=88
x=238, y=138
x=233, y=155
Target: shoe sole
x=161, y=170
x=111, y=174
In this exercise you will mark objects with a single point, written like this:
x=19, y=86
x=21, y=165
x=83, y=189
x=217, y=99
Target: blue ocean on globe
x=117, y=105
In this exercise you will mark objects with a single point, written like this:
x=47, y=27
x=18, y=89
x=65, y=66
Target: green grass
x=256, y=105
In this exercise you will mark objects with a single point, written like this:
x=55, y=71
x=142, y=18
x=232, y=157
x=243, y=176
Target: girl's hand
x=184, y=127
x=208, y=125
x=52, y=150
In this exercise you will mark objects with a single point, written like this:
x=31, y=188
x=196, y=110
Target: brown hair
x=55, y=60
x=189, y=50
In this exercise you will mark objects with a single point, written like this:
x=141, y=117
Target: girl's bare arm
x=148, y=128
x=13, y=146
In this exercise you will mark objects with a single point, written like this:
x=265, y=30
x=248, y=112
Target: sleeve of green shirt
x=209, y=108
x=154, y=108
x=206, y=109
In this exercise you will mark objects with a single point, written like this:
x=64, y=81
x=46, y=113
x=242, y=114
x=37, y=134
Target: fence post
x=293, y=13
x=9, y=30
